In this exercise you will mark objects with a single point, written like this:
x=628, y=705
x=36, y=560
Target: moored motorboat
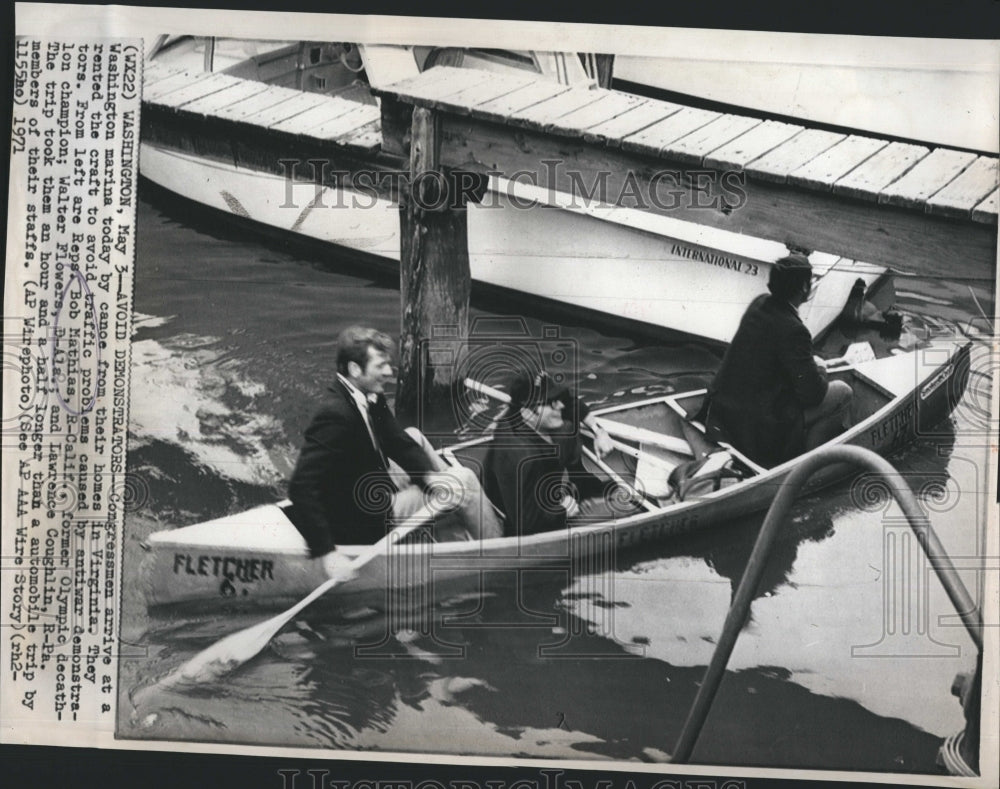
x=258, y=558
x=579, y=250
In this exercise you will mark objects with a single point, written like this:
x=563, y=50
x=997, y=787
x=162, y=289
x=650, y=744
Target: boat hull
x=257, y=558
x=623, y=263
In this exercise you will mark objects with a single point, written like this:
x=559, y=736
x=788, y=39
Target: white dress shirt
x=363, y=403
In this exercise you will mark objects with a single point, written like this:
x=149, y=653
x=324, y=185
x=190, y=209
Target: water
x=231, y=354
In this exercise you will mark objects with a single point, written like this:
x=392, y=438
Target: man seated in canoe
x=359, y=469
x=771, y=398
x=533, y=470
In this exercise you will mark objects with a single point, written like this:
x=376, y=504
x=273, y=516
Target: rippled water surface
x=232, y=352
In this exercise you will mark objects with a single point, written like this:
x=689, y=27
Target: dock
x=931, y=212
x=926, y=211
x=255, y=125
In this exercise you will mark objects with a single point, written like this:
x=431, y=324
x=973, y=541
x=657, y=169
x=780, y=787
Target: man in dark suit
x=771, y=398
x=359, y=468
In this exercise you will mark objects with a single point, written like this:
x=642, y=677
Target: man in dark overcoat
x=771, y=398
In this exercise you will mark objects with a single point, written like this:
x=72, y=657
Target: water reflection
x=604, y=663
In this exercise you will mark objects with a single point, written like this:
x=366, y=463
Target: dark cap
x=531, y=389
x=794, y=262
x=789, y=275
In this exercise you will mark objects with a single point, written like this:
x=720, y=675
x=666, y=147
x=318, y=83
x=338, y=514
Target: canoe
x=257, y=557
x=616, y=262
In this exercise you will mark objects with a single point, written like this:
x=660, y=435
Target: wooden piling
x=434, y=279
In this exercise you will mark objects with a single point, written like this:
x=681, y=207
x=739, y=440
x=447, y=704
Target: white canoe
x=258, y=558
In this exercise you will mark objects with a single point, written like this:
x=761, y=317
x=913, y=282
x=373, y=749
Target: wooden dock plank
x=213, y=103
x=250, y=107
x=312, y=117
x=755, y=143
x=502, y=107
x=695, y=146
x=344, y=125
x=836, y=162
x=435, y=83
x=608, y=106
x=909, y=240
x=189, y=88
x=614, y=130
x=358, y=93
x=446, y=81
x=151, y=71
x=465, y=100
x=855, y=166
x=868, y=180
x=776, y=164
x=653, y=139
x=367, y=138
x=420, y=88
x=287, y=109
x=156, y=72
x=961, y=196
x=174, y=81
x=543, y=114
x=203, y=86
x=334, y=108
x=929, y=176
x=986, y=211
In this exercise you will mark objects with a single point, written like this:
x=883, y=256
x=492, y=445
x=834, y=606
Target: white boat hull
x=619, y=262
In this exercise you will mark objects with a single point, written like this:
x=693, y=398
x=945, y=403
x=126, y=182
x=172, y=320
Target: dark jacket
x=523, y=476
x=767, y=379
x=340, y=489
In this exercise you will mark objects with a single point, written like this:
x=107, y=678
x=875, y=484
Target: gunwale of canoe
x=890, y=380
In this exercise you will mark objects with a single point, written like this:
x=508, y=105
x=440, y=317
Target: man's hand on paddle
x=338, y=566
x=602, y=442
x=453, y=488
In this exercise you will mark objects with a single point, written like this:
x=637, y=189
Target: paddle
x=636, y=496
x=857, y=352
x=236, y=649
x=636, y=453
x=644, y=436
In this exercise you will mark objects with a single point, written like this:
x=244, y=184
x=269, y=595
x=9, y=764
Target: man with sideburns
x=359, y=470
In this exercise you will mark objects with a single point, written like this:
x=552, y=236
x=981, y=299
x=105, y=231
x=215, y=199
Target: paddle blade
x=236, y=649
x=228, y=654
x=859, y=352
x=653, y=469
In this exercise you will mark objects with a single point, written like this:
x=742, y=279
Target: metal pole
x=776, y=516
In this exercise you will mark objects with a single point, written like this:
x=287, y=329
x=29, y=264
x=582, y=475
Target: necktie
x=364, y=405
